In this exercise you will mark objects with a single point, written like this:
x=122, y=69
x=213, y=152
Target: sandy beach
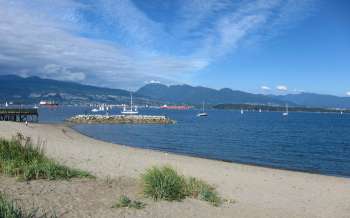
x=256, y=191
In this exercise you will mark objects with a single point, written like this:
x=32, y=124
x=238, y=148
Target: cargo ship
x=176, y=107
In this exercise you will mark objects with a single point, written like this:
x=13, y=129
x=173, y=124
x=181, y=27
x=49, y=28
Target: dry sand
x=258, y=191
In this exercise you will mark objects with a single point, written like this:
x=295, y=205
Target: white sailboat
x=286, y=113
x=132, y=110
x=202, y=114
x=98, y=109
x=242, y=111
x=6, y=104
x=95, y=110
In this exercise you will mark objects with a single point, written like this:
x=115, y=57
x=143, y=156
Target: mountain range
x=33, y=89
x=316, y=100
x=182, y=94
x=185, y=94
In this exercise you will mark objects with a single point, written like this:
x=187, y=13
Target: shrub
x=165, y=183
x=19, y=157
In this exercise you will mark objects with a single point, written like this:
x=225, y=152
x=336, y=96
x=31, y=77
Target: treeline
x=251, y=107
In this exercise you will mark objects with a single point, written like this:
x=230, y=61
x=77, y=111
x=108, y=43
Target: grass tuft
x=203, y=191
x=21, y=158
x=165, y=183
x=9, y=209
x=124, y=201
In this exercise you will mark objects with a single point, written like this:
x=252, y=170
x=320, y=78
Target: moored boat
x=286, y=113
x=202, y=114
x=133, y=109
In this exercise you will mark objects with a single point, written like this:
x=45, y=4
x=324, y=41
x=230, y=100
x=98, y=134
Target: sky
x=260, y=46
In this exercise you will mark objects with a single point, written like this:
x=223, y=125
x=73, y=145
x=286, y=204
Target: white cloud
x=124, y=46
x=153, y=82
x=265, y=88
x=61, y=73
x=45, y=48
x=348, y=93
x=282, y=88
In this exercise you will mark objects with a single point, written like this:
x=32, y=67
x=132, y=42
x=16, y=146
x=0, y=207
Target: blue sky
x=261, y=46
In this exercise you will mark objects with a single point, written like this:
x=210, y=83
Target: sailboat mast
x=130, y=100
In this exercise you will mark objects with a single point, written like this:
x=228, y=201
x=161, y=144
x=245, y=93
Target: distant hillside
x=186, y=94
x=277, y=108
x=317, y=100
x=33, y=89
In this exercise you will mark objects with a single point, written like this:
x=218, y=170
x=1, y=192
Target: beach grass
x=22, y=158
x=199, y=189
x=164, y=183
x=9, y=209
x=125, y=201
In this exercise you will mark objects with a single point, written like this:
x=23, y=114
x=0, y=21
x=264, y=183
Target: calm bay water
x=312, y=142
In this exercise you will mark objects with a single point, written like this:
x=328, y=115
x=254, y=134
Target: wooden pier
x=19, y=114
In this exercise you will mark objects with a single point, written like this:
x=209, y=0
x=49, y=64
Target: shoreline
x=71, y=126
x=259, y=191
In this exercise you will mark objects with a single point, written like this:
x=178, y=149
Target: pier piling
x=19, y=114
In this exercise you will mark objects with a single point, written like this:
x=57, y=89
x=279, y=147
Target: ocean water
x=311, y=142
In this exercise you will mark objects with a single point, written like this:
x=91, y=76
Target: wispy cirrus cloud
x=117, y=43
x=265, y=88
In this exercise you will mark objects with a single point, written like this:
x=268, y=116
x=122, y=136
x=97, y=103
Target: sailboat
x=286, y=113
x=95, y=110
x=6, y=104
x=242, y=111
x=202, y=114
x=99, y=109
x=132, y=110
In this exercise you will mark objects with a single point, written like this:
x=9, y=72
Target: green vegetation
x=20, y=158
x=257, y=107
x=203, y=191
x=124, y=201
x=11, y=210
x=165, y=183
